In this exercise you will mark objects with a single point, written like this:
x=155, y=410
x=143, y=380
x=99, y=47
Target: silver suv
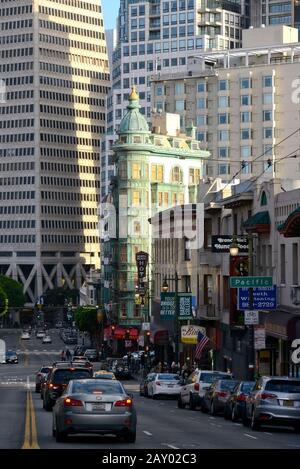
x=193, y=390
x=275, y=400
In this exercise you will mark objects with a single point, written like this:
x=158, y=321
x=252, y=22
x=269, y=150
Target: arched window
x=177, y=175
x=263, y=199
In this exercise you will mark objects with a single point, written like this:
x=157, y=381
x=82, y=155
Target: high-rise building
x=55, y=79
x=159, y=36
x=270, y=12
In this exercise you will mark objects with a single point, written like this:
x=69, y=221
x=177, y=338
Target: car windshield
x=97, y=387
x=211, y=377
x=168, y=377
x=64, y=376
x=104, y=376
x=10, y=352
x=247, y=386
x=278, y=385
x=45, y=369
x=228, y=385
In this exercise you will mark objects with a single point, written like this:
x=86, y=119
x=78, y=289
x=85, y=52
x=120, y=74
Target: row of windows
x=61, y=41
x=70, y=196
x=69, y=239
x=20, y=10
x=13, y=67
x=28, y=37
x=70, y=98
x=70, y=16
x=16, y=209
x=16, y=124
x=22, y=166
x=20, y=109
x=63, y=125
x=68, y=168
x=16, y=81
x=16, y=25
x=20, y=195
x=69, y=225
x=67, y=210
x=68, y=182
x=267, y=82
x=77, y=4
x=181, y=5
x=11, y=239
x=50, y=81
x=21, y=94
x=73, y=57
x=67, y=111
x=66, y=70
x=71, y=29
x=245, y=134
x=15, y=224
x=16, y=138
x=27, y=151
x=245, y=117
x=17, y=181
x=246, y=151
x=70, y=140
x=62, y=153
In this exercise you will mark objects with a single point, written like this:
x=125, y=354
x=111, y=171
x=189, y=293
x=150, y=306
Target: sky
x=110, y=11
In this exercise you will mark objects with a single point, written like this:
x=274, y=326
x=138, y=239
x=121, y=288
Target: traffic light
x=148, y=333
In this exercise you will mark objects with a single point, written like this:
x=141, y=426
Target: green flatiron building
x=154, y=171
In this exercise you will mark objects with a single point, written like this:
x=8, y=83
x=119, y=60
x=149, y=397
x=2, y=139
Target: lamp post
x=165, y=288
x=234, y=250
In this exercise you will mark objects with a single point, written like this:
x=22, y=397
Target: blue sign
x=264, y=298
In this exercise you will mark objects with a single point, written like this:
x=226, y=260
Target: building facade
x=55, y=79
x=270, y=12
x=244, y=102
x=154, y=171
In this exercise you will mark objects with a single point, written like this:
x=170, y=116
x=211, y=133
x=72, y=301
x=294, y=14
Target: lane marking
x=26, y=444
x=30, y=432
x=267, y=433
x=250, y=436
x=147, y=433
x=170, y=446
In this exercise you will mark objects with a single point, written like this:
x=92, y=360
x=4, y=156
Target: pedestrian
x=68, y=354
x=173, y=367
x=63, y=356
x=143, y=358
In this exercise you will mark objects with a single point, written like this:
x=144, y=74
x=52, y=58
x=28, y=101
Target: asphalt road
x=161, y=425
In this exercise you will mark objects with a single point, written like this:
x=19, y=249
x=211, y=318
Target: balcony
x=208, y=312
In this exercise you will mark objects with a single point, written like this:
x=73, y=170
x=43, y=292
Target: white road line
x=170, y=446
x=294, y=446
x=212, y=418
x=267, y=433
x=147, y=433
x=250, y=436
x=239, y=424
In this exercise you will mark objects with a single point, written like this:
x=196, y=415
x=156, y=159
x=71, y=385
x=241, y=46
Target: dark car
x=236, y=402
x=216, y=396
x=80, y=349
x=121, y=370
x=11, y=357
x=59, y=379
x=91, y=355
x=40, y=377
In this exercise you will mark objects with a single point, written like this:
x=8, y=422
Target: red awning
x=133, y=334
x=119, y=333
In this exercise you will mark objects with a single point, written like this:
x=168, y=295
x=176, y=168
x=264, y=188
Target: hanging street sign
x=222, y=243
x=167, y=305
x=259, y=338
x=185, y=311
x=251, y=317
x=264, y=299
x=239, y=282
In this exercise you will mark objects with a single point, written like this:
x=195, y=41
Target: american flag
x=202, y=341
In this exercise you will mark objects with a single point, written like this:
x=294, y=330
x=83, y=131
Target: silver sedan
x=96, y=407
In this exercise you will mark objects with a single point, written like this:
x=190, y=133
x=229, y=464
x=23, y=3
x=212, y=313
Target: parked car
x=58, y=380
x=236, y=402
x=40, y=376
x=58, y=324
x=47, y=339
x=40, y=334
x=25, y=336
x=103, y=374
x=144, y=384
x=193, y=390
x=215, y=396
x=274, y=400
x=91, y=355
x=120, y=369
x=11, y=356
x=164, y=384
x=94, y=406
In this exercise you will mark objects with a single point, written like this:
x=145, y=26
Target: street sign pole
x=251, y=362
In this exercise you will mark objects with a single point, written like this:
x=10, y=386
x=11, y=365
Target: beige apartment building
x=245, y=104
x=55, y=78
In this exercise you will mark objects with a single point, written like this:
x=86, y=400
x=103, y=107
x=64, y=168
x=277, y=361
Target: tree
x=13, y=291
x=60, y=296
x=3, y=302
x=87, y=320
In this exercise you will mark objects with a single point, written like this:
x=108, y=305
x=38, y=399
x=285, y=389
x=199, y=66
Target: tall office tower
x=269, y=12
x=156, y=36
x=55, y=78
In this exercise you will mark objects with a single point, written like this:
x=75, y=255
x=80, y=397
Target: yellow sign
x=138, y=301
x=189, y=334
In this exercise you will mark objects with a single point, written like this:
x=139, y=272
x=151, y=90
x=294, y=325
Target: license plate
x=288, y=403
x=98, y=406
x=170, y=385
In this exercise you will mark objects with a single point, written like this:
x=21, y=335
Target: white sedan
x=47, y=339
x=25, y=336
x=164, y=384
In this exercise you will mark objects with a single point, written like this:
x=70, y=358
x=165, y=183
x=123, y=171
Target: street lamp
x=165, y=286
x=234, y=248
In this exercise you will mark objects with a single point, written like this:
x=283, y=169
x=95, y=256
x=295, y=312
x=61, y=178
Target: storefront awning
x=282, y=325
x=258, y=223
x=291, y=227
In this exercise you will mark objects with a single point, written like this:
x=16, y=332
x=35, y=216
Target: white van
x=2, y=351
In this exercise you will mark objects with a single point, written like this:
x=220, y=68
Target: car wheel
x=130, y=437
x=245, y=419
x=154, y=396
x=192, y=405
x=203, y=407
x=47, y=406
x=234, y=417
x=226, y=413
x=180, y=404
x=255, y=425
x=60, y=437
x=212, y=408
x=37, y=388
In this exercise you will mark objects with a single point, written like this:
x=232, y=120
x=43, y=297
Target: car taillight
x=40, y=374
x=222, y=394
x=266, y=395
x=197, y=386
x=158, y=383
x=54, y=386
x=241, y=397
x=69, y=402
x=123, y=403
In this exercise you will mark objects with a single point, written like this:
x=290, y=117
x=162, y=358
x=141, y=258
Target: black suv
x=58, y=380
